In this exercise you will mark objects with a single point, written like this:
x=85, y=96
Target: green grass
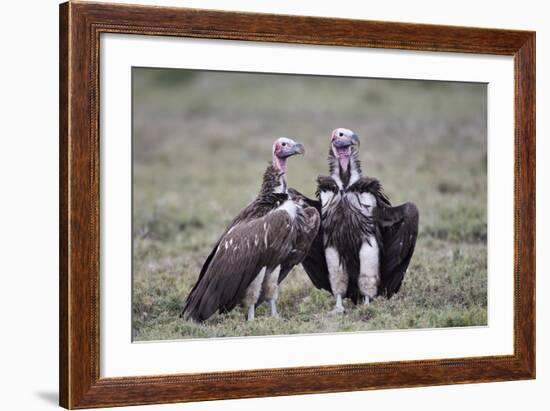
x=202, y=140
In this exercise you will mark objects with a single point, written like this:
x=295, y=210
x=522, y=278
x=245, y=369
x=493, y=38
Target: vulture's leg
x=273, y=307
x=271, y=289
x=369, y=270
x=250, y=314
x=339, y=307
x=338, y=279
x=253, y=293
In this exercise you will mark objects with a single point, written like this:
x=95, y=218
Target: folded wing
x=240, y=254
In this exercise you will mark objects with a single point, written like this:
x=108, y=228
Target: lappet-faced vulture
x=364, y=244
x=258, y=248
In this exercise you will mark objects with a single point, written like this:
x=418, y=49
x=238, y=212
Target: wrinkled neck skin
x=280, y=165
x=274, y=181
x=344, y=177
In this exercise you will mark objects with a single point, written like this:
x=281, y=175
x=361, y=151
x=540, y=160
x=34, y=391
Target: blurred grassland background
x=201, y=141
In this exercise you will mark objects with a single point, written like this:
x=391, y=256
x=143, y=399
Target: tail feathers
x=190, y=312
x=197, y=308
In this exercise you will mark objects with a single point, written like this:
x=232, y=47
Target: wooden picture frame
x=80, y=27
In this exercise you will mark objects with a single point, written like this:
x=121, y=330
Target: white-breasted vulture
x=364, y=244
x=258, y=248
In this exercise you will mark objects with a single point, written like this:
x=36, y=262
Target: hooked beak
x=296, y=148
x=299, y=149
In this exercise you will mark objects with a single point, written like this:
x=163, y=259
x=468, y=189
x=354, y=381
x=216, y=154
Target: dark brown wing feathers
x=242, y=252
x=307, y=224
x=315, y=264
x=399, y=228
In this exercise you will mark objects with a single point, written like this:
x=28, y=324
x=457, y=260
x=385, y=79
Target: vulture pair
x=350, y=241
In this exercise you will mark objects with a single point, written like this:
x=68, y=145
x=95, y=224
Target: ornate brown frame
x=80, y=27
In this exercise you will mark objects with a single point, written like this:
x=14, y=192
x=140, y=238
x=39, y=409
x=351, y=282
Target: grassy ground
x=202, y=141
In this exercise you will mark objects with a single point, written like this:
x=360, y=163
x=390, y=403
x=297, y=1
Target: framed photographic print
x=258, y=205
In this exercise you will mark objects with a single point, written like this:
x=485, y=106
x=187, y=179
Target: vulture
x=364, y=244
x=258, y=248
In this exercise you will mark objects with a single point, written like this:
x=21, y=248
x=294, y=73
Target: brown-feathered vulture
x=258, y=248
x=364, y=245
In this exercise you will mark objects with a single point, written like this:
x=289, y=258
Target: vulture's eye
x=341, y=134
x=284, y=144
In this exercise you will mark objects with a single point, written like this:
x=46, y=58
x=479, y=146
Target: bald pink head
x=342, y=140
x=283, y=148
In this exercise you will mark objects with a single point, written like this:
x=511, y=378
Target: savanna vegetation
x=201, y=141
